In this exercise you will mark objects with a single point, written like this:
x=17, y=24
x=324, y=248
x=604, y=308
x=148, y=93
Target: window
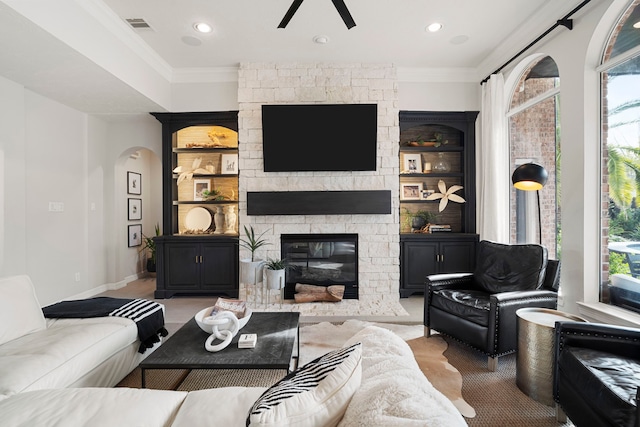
x=534, y=136
x=620, y=155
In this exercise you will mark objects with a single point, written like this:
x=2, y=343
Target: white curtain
x=493, y=176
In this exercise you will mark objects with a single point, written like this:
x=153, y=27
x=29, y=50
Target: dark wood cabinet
x=436, y=148
x=421, y=256
x=202, y=266
x=197, y=253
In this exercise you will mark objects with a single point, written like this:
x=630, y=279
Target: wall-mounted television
x=319, y=137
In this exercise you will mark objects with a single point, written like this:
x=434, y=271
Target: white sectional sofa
x=373, y=381
x=379, y=385
x=38, y=353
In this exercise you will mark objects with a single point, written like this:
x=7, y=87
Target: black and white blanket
x=147, y=315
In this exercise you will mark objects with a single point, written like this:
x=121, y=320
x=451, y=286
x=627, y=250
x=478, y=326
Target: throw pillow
x=317, y=394
x=20, y=311
x=506, y=268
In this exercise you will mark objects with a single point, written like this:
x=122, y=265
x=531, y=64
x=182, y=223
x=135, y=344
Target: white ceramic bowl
x=209, y=328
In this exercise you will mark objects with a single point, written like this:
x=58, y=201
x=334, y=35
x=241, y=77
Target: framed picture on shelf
x=134, y=183
x=411, y=191
x=200, y=185
x=135, y=235
x=229, y=164
x=412, y=163
x=135, y=209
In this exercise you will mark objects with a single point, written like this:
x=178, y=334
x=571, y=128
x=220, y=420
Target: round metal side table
x=536, y=342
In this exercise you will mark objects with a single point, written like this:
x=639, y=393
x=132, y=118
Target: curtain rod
x=565, y=21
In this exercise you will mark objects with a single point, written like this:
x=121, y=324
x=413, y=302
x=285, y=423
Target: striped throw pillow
x=317, y=394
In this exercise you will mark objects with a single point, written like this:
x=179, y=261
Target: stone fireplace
x=378, y=269
x=321, y=259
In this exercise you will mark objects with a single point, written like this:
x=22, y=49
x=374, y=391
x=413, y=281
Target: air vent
x=138, y=24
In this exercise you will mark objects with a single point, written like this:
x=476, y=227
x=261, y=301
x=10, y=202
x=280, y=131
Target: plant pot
x=275, y=279
x=418, y=222
x=251, y=271
x=151, y=266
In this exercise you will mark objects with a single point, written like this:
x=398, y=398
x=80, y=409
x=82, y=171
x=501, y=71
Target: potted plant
x=251, y=269
x=275, y=269
x=418, y=219
x=150, y=244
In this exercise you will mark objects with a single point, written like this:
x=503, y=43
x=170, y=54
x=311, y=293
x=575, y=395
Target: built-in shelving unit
x=198, y=252
x=436, y=147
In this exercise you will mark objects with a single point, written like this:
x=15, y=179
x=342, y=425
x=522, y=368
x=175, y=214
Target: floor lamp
x=531, y=177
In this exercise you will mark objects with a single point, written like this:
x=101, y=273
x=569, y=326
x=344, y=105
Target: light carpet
x=318, y=339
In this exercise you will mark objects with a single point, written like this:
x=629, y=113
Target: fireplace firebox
x=321, y=259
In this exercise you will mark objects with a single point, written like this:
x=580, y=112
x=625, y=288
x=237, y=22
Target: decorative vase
x=219, y=219
x=441, y=165
x=229, y=220
x=275, y=279
x=151, y=266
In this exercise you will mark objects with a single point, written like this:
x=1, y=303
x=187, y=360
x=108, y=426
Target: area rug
x=317, y=339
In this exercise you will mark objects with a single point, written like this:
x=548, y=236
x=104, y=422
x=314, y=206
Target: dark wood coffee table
x=278, y=347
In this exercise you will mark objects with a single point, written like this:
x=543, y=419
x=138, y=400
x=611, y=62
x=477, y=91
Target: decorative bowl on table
x=209, y=328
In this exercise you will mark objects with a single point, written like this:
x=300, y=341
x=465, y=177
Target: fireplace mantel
x=318, y=202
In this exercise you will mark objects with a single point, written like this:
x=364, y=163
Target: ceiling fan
x=340, y=7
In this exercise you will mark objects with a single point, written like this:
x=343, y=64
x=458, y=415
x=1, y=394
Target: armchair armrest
x=524, y=297
x=620, y=340
x=449, y=281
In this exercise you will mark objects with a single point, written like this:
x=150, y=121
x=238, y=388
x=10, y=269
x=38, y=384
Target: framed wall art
x=411, y=191
x=134, y=209
x=200, y=185
x=135, y=235
x=134, y=183
x=229, y=164
x=412, y=163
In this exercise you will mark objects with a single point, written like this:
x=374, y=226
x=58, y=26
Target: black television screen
x=319, y=137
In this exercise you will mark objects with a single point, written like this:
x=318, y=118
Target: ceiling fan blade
x=344, y=13
x=292, y=10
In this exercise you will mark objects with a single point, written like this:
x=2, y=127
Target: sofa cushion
x=95, y=407
x=394, y=391
x=59, y=355
x=20, y=311
x=608, y=381
x=466, y=304
x=202, y=408
x=506, y=268
x=317, y=394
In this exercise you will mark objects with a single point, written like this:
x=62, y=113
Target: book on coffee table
x=247, y=340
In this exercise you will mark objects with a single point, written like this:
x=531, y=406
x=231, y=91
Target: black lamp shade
x=529, y=177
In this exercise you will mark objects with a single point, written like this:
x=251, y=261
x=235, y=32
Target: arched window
x=534, y=136
x=620, y=155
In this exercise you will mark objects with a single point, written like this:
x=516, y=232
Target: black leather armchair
x=479, y=308
x=597, y=374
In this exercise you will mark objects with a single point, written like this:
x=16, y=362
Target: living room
x=57, y=147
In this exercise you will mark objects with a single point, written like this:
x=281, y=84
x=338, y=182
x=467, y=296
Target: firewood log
x=311, y=293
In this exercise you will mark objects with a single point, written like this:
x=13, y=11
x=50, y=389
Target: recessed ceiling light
x=432, y=28
x=202, y=27
x=321, y=39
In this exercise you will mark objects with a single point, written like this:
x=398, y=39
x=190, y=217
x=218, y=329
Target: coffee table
x=278, y=347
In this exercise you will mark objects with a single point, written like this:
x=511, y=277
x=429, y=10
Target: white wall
x=52, y=153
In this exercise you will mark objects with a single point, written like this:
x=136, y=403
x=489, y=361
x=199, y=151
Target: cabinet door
x=218, y=267
x=457, y=257
x=418, y=261
x=182, y=268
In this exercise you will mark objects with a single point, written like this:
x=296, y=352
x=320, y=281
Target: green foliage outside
x=618, y=264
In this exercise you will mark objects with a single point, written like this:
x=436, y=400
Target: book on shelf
x=247, y=341
x=436, y=228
